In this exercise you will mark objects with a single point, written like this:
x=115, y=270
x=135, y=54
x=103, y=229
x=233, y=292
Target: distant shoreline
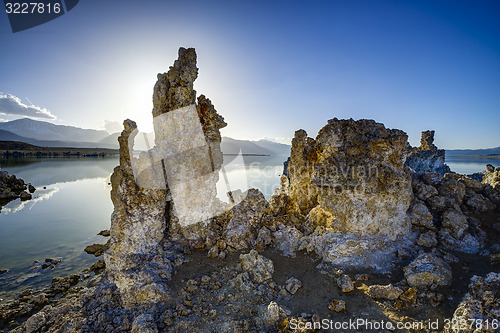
x=246, y=155
x=21, y=149
x=494, y=156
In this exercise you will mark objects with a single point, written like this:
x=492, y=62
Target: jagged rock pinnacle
x=174, y=89
x=427, y=141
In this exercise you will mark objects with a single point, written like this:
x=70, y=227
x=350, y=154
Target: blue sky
x=270, y=67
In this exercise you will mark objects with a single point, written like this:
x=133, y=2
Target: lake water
x=467, y=165
x=75, y=205
x=72, y=204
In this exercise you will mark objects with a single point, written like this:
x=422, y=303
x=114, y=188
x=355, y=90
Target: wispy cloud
x=10, y=104
x=112, y=126
x=286, y=141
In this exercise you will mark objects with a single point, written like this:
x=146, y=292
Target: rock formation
x=346, y=194
x=481, y=306
x=153, y=193
x=167, y=196
x=428, y=271
x=440, y=206
x=427, y=157
x=138, y=226
x=12, y=188
x=354, y=171
x=492, y=177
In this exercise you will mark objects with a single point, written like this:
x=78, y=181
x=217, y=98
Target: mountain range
x=473, y=152
x=45, y=131
x=45, y=134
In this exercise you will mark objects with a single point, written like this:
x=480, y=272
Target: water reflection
x=75, y=205
x=468, y=165
x=70, y=206
x=244, y=172
x=17, y=205
x=48, y=171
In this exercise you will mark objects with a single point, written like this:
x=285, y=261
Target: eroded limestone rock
x=455, y=221
x=337, y=305
x=492, y=177
x=167, y=192
x=350, y=250
x=354, y=171
x=260, y=267
x=427, y=271
x=427, y=239
x=477, y=203
x=244, y=220
x=292, y=285
x=12, y=188
x=138, y=226
x=345, y=283
x=389, y=291
x=427, y=157
x=420, y=216
x=481, y=305
x=443, y=204
x=346, y=195
x=287, y=239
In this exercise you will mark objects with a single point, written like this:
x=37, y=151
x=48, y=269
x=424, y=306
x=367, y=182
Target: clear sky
x=269, y=67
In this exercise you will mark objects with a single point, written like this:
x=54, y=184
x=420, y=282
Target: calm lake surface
x=467, y=165
x=75, y=205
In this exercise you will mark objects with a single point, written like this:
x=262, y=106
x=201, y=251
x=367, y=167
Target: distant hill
x=41, y=130
x=16, y=145
x=44, y=134
x=111, y=139
x=261, y=147
x=473, y=152
x=9, y=136
x=228, y=145
x=26, y=148
x=275, y=147
x=233, y=146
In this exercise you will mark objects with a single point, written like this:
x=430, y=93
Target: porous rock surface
x=427, y=157
x=144, y=216
x=492, y=177
x=355, y=171
x=138, y=226
x=346, y=194
x=389, y=291
x=260, y=268
x=442, y=209
x=480, y=306
x=166, y=197
x=428, y=271
x=12, y=188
